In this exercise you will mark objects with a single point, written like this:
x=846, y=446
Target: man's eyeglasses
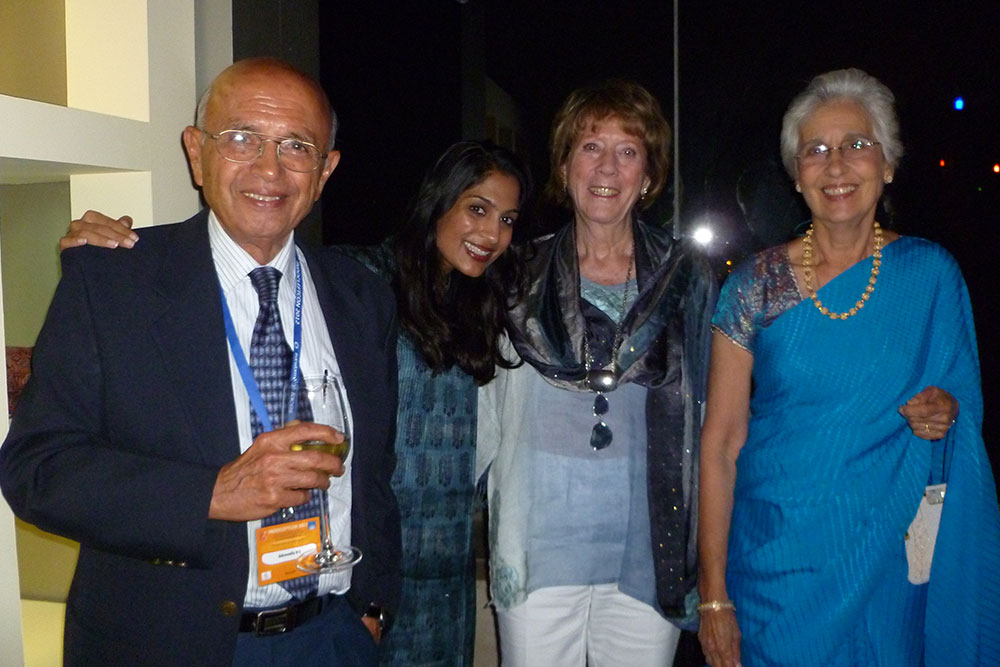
x=244, y=146
x=852, y=149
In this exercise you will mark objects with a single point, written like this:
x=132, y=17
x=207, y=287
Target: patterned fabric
x=434, y=483
x=664, y=349
x=18, y=372
x=831, y=474
x=270, y=357
x=765, y=288
x=271, y=363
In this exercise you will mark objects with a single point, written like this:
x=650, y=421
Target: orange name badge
x=280, y=546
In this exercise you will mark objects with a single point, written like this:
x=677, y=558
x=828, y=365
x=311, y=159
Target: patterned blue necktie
x=271, y=363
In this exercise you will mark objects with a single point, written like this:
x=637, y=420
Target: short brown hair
x=640, y=116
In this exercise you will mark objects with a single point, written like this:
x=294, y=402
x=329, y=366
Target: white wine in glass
x=326, y=399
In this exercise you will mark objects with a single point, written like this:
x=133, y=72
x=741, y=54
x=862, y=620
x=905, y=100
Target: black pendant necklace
x=601, y=380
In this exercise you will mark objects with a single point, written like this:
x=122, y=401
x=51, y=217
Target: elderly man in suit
x=139, y=436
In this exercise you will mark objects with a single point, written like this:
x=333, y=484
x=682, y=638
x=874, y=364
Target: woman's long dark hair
x=454, y=319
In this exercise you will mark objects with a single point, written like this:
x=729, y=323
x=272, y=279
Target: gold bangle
x=716, y=605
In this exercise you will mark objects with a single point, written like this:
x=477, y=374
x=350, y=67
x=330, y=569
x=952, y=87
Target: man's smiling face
x=259, y=203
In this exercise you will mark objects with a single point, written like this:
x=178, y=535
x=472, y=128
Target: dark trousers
x=334, y=637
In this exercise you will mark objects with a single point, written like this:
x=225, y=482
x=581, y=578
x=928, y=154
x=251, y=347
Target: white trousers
x=579, y=626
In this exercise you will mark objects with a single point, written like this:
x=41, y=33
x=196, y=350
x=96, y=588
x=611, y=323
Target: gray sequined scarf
x=665, y=338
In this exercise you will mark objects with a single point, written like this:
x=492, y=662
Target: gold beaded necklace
x=807, y=272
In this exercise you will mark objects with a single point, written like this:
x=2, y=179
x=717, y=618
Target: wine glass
x=326, y=398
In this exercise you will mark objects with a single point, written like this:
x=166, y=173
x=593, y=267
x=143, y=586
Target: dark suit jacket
x=127, y=418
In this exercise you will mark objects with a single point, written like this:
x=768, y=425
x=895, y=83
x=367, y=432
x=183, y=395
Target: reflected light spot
x=703, y=235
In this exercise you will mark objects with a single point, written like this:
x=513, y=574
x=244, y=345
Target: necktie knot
x=265, y=281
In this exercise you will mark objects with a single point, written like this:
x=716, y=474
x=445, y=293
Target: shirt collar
x=234, y=264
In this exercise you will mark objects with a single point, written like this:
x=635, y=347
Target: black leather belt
x=284, y=619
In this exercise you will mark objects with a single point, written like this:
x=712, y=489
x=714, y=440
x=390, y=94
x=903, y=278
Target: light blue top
x=590, y=518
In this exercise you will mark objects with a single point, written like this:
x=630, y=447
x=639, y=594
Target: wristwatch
x=383, y=617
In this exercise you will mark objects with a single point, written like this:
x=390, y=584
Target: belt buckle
x=274, y=621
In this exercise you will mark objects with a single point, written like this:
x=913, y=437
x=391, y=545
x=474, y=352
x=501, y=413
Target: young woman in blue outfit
x=451, y=277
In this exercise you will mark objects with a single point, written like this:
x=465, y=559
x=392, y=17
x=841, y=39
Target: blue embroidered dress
x=831, y=474
x=433, y=482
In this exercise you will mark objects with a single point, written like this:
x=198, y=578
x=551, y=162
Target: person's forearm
x=718, y=477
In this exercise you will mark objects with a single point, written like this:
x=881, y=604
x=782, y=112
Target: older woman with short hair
x=591, y=444
x=844, y=379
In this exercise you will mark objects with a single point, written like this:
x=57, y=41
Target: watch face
x=376, y=612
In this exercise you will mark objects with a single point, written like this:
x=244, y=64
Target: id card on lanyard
x=278, y=546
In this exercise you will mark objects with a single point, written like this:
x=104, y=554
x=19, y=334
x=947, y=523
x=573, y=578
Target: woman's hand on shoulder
x=930, y=413
x=719, y=634
x=98, y=229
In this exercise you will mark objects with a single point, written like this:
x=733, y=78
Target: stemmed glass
x=326, y=398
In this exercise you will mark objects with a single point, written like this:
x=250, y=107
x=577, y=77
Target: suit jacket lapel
x=341, y=310
x=187, y=327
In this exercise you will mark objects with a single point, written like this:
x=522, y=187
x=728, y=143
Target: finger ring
x=927, y=428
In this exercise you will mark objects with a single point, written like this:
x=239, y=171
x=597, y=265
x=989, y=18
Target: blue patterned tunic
x=435, y=448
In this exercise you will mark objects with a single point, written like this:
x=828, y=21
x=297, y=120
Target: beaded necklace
x=807, y=272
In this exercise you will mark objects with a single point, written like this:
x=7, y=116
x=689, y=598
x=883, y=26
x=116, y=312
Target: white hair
x=851, y=85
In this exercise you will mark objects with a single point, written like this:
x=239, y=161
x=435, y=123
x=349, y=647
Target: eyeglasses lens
x=293, y=154
x=601, y=435
x=849, y=150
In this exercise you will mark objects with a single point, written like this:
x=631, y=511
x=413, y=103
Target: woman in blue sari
x=844, y=378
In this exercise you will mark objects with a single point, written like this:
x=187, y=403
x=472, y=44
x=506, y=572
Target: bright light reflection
x=703, y=234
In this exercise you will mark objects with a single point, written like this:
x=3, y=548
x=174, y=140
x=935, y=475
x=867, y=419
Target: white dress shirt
x=233, y=266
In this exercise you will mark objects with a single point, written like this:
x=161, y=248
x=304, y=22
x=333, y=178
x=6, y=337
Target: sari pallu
x=831, y=475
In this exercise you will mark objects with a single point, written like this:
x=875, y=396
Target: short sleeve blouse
x=755, y=294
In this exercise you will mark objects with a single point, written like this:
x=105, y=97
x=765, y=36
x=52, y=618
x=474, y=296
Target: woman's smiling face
x=478, y=227
x=841, y=188
x=605, y=173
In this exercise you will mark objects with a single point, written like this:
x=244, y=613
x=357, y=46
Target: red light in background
x=996, y=168
x=941, y=163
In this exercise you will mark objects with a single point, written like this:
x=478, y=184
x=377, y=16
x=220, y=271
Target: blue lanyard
x=246, y=374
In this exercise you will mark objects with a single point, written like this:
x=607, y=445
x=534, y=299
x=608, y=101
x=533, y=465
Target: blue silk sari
x=831, y=474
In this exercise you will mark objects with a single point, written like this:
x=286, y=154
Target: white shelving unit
x=101, y=122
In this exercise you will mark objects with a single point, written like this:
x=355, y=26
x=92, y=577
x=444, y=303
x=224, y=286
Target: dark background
x=404, y=78
x=407, y=80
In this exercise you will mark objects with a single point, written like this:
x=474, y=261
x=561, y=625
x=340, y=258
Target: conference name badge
x=279, y=548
